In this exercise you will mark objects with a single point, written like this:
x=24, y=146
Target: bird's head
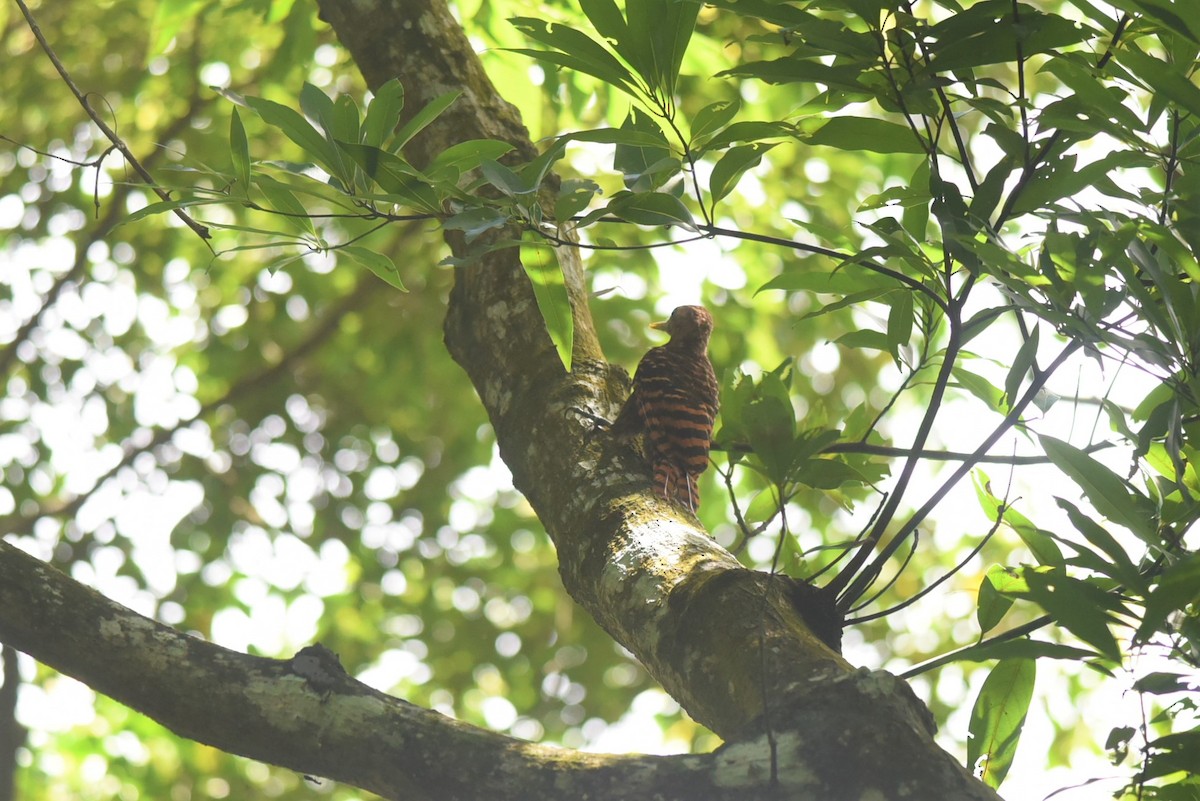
x=689, y=325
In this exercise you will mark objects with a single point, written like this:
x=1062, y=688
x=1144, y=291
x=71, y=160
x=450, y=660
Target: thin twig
x=743, y=526
x=109, y=133
x=951, y=456
x=956, y=654
x=858, y=541
x=912, y=551
x=860, y=584
x=1170, y=167
x=849, y=573
x=891, y=451
x=709, y=231
x=1029, y=169
x=1022, y=95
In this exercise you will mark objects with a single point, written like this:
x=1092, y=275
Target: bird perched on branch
x=674, y=403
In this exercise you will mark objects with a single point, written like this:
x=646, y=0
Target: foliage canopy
x=905, y=217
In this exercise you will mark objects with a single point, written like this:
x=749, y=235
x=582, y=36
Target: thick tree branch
x=12, y=734
x=305, y=713
x=302, y=713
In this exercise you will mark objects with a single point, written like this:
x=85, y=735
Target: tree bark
x=728, y=643
x=12, y=734
x=305, y=713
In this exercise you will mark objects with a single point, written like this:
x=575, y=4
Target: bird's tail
x=672, y=482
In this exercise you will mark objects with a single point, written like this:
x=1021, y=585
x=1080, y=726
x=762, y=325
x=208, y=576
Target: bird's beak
x=660, y=326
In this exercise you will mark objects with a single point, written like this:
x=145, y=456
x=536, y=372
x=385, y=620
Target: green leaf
x=383, y=115
x=1175, y=17
x=644, y=167
x=1096, y=98
x=536, y=171
x=991, y=604
x=1163, y=683
x=574, y=196
x=850, y=300
x=606, y=18
x=577, y=51
x=1023, y=362
x=1011, y=582
x=464, y=157
x=1118, y=564
x=865, y=133
x=549, y=287
x=770, y=425
x=395, y=176
x=504, y=179
x=845, y=281
x=865, y=338
x=283, y=200
x=164, y=206
x=713, y=118
x=978, y=386
x=1161, y=394
x=569, y=62
x=338, y=120
x=900, y=321
x=646, y=137
x=346, y=121
x=650, y=208
x=731, y=167
x=916, y=203
x=763, y=507
x=317, y=106
x=988, y=33
x=239, y=152
x=1106, y=491
x=1117, y=743
x=428, y=113
x=670, y=24
x=1178, y=587
x=1164, y=79
x=1024, y=648
x=1177, y=753
x=827, y=474
x=987, y=195
x=295, y=127
x=749, y=132
x=1039, y=541
x=1079, y=607
x=813, y=441
x=794, y=70
x=476, y=221
x=376, y=262
x=1062, y=178
x=998, y=717
x=950, y=210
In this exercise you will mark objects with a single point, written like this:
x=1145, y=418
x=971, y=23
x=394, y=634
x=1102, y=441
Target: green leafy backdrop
x=903, y=216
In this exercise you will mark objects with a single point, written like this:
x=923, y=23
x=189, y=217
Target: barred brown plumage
x=674, y=403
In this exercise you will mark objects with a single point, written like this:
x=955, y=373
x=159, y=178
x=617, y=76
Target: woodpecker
x=674, y=403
